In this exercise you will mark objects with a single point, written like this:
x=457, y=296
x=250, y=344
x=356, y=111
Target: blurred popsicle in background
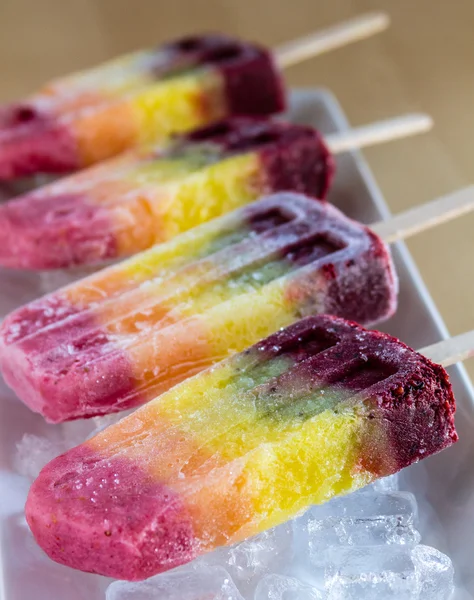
x=148, y=95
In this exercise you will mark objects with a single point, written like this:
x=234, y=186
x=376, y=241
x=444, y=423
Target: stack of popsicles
x=87, y=117
x=150, y=195
x=118, y=338
x=91, y=116
x=153, y=194
x=321, y=407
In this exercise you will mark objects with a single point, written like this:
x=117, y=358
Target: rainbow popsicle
x=150, y=195
x=118, y=338
x=316, y=410
x=145, y=96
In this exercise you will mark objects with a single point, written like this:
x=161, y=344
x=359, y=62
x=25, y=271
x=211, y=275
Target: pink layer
x=79, y=512
x=53, y=232
x=36, y=148
x=49, y=376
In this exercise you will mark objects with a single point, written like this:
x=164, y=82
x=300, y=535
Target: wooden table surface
x=425, y=62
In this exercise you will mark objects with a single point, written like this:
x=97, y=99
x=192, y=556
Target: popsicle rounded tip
x=24, y=241
x=40, y=147
x=42, y=366
x=104, y=515
x=41, y=231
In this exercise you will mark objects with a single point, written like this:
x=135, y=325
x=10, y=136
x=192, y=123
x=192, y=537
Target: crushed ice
x=33, y=452
x=363, y=546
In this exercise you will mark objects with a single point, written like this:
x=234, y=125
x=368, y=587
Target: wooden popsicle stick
x=331, y=38
x=379, y=132
x=426, y=216
x=449, y=352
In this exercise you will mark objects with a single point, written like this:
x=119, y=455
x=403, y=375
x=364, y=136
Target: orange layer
x=175, y=456
x=161, y=360
x=100, y=134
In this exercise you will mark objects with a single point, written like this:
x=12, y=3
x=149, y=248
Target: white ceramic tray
x=443, y=484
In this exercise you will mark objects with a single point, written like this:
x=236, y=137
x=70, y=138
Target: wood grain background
x=424, y=62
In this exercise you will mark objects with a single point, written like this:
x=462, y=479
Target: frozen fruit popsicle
x=147, y=196
x=95, y=114
x=91, y=116
x=118, y=338
x=316, y=410
x=127, y=204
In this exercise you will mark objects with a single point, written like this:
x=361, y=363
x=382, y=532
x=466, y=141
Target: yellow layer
x=177, y=105
x=288, y=471
x=211, y=192
x=238, y=472
x=175, y=196
x=223, y=329
x=240, y=322
x=302, y=465
x=154, y=264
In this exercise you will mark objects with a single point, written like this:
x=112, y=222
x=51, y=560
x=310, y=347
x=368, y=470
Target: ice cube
x=34, y=451
x=268, y=552
x=367, y=504
x=371, y=573
x=14, y=491
x=435, y=573
x=362, y=519
x=385, y=484
x=280, y=587
x=211, y=583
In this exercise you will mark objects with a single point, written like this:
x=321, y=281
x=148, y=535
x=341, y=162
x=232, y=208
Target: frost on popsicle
x=317, y=410
x=118, y=338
